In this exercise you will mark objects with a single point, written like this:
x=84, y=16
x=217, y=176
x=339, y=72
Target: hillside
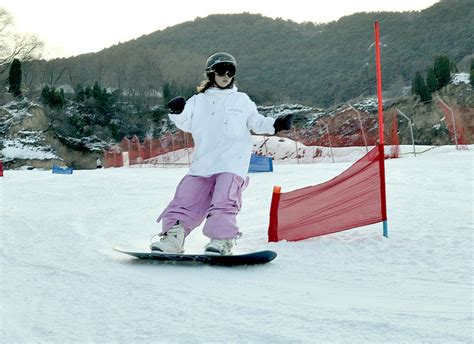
x=279, y=61
x=36, y=135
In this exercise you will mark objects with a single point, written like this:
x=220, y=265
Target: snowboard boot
x=170, y=242
x=219, y=246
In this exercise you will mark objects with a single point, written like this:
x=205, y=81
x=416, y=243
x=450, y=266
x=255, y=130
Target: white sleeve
x=184, y=120
x=258, y=123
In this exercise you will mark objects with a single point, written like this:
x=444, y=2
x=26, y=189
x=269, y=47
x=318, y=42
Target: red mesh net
x=113, y=158
x=349, y=128
x=352, y=199
x=134, y=151
x=454, y=122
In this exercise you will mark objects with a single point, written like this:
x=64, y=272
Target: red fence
x=349, y=200
x=347, y=128
x=113, y=158
x=354, y=128
x=132, y=151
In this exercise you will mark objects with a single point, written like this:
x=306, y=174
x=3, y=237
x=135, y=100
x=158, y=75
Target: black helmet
x=217, y=58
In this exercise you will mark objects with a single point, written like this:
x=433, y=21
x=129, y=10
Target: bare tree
x=53, y=73
x=13, y=45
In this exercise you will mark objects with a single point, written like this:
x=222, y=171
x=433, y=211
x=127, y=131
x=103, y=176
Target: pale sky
x=72, y=27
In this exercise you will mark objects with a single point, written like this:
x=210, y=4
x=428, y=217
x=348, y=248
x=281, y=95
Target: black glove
x=176, y=105
x=283, y=122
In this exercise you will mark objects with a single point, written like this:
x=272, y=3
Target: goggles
x=223, y=69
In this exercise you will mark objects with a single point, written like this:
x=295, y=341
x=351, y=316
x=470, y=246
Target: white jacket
x=220, y=122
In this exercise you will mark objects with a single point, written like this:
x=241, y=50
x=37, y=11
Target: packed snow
x=62, y=282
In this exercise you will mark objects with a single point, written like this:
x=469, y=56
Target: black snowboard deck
x=252, y=258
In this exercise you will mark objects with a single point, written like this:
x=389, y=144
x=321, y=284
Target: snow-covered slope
x=27, y=143
x=61, y=282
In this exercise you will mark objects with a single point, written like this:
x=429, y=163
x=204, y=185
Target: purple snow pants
x=217, y=198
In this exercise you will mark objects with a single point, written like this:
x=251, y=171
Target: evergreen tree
x=80, y=93
x=442, y=70
x=45, y=93
x=416, y=83
x=167, y=93
x=97, y=91
x=431, y=81
x=88, y=91
x=14, y=78
x=52, y=97
x=419, y=88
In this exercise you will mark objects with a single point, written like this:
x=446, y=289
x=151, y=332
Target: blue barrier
x=62, y=170
x=260, y=164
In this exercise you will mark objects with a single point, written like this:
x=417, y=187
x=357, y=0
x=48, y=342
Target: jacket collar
x=217, y=91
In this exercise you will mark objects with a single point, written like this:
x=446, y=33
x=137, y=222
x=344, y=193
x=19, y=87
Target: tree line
x=437, y=77
x=278, y=60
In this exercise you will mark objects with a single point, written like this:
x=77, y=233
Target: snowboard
x=252, y=258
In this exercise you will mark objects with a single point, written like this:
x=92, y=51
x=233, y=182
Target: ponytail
x=207, y=83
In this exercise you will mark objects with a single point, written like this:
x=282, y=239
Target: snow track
x=61, y=281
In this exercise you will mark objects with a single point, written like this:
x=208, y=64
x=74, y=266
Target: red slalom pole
x=379, y=80
x=381, y=136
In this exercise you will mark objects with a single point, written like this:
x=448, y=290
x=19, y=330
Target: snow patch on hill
x=458, y=78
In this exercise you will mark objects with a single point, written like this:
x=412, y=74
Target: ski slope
x=61, y=282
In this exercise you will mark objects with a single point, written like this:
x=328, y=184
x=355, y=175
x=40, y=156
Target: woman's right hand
x=176, y=105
